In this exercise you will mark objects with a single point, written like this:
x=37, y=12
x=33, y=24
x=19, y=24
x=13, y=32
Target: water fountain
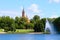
x=49, y=27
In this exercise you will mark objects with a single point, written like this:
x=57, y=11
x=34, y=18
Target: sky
x=42, y=8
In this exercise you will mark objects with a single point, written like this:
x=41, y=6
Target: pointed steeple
x=23, y=13
x=25, y=16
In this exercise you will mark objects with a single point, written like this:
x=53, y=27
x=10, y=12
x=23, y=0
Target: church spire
x=23, y=13
x=25, y=16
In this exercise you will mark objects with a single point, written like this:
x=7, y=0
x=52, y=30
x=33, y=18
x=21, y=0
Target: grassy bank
x=1, y=30
x=24, y=30
x=18, y=31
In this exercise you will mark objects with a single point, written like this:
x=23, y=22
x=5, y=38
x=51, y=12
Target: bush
x=6, y=29
x=39, y=27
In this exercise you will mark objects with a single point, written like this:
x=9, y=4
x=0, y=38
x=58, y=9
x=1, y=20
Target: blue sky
x=43, y=8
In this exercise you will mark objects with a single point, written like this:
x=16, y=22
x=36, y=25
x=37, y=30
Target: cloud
x=54, y=16
x=34, y=8
x=56, y=1
x=9, y=13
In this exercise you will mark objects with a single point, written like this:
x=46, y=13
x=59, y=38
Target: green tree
x=29, y=26
x=6, y=29
x=13, y=28
x=43, y=20
x=56, y=23
x=35, y=19
x=17, y=20
x=39, y=27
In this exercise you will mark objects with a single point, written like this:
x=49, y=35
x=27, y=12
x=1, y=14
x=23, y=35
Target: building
x=25, y=16
x=23, y=13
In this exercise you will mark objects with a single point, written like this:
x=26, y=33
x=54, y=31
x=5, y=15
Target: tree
x=21, y=26
x=6, y=23
x=38, y=27
x=35, y=19
x=12, y=28
x=43, y=20
x=56, y=23
x=51, y=19
x=29, y=26
x=22, y=22
x=17, y=26
x=6, y=29
x=17, y=22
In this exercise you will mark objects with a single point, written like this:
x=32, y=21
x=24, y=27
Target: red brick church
x=25, y=16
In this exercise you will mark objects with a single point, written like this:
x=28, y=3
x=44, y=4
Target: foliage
x=56, y=23
x=24, y=30
x=29, y=26
x=6, y=29
x=10, y=24
x=39, y=27
x=43, y=20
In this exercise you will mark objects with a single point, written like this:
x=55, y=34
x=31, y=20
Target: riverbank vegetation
x=19, y=24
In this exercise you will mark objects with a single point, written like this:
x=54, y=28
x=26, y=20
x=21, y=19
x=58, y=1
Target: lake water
x=29, y=37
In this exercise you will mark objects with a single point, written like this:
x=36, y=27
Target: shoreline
x=36, y=33
x=22, y=33
x=2, y=32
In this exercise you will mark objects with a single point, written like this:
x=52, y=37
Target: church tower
x=25, y=16
x=23, y=13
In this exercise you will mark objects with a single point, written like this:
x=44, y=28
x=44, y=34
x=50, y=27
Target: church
x=25, y=16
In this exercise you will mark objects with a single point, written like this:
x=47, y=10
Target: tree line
x=11, y=24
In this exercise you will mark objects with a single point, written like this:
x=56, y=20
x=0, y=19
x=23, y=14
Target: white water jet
x=49, y=27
